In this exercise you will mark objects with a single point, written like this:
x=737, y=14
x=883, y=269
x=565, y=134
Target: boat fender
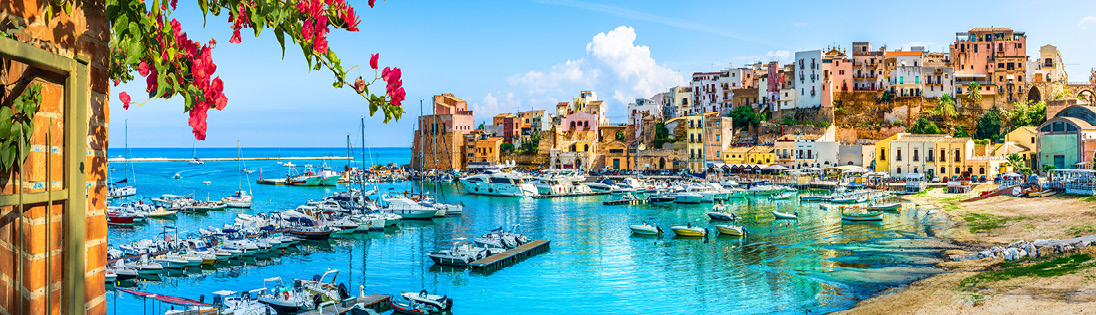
x=343, y=293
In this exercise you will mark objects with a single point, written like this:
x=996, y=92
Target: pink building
x=579, y=121
x=836, y=74
x=453, y=115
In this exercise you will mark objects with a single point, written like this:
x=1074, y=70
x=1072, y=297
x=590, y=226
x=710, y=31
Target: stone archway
x=578, y=163
x=559, y=164
x=1086, y=95
x=661, y=163
x=1034, y=95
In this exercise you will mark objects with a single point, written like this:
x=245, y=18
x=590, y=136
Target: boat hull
x=781, y=215
x=721, y=216
x=730, y=230
x=503, y=190
x=876, y=216
x=644, y=229
x=689, y=232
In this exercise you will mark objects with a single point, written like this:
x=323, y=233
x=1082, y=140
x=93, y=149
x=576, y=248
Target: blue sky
x=517, y=55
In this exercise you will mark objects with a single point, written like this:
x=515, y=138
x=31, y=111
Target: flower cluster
x=395, y=85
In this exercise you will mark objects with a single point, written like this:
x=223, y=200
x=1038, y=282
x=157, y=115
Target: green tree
x=662, y=135
x=924, y=126
x=989, y=125
x=1017, y=163
x=1031, y=113
x=620, y=135
x=743, y=116
x=506, y=147
x=531, y=145
x=974, y=94
x=961, y=132
x=945, y=108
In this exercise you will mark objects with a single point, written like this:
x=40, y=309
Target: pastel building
x=995, y=57
x=1068, y=140
x=808, y=79
x=867, y=67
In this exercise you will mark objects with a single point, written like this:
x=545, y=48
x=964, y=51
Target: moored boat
x=689, y=231
x=645, y=229
x=884, y=206
x=869, y=216
x=782, y=215
x=730, y=229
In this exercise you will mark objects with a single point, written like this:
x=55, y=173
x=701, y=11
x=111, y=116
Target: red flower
x=217, y=87
x=142, y=69
x=320, y=43
x=124, y=97
x=394, y=89
x=373, y=60
x=116, y=82
x=153, y=85
x=173, y=2
x=371, y=3
x=351, y=19
x=235, y=37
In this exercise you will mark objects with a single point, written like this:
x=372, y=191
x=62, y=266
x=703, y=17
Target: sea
x=816, y=264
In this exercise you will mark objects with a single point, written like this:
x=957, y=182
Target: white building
x=808, y=79
x=707, y=92
x=816, y=154
x=637, y=110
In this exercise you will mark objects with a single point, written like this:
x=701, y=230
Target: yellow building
x=695, y=142
x=1022, y=141
x=761, y=154
x=881, y=148
x=736, y=155
x=487, y=150
x=952, y=156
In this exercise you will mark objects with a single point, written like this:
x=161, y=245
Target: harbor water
x=816, y=263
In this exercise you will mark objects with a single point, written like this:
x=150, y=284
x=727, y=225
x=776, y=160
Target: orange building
x=994, y=57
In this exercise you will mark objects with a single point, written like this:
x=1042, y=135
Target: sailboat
x=196, y=160
x=242, y=199
x=115, y=191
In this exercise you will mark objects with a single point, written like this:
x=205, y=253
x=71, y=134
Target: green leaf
x=204, y=5
x=5, y=123
x=7, y=155
x=13, y=130
x=280, y=34
x=68, y=8
x=18, y=104
x=161, y=84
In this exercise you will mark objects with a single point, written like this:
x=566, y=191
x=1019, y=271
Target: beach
x=998, y=221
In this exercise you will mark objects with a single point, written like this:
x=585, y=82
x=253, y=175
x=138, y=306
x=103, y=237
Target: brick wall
x=82, y=35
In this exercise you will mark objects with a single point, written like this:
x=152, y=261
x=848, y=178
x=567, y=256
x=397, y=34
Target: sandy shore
x=998, y=221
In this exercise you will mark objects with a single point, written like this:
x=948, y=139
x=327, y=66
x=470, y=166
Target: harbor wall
x=61, y=252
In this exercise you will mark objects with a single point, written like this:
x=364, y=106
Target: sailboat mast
x=422, y=146
x=239, y=167
x=434, y=114
x=363, y=162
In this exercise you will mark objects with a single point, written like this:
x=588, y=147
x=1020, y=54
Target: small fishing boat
x=729, y=229
x=311, y=232
x=843, y=199
x=810, y=198
x=161, y=213
x=645, y=229
x=109, y=276
x=438, y=302
x=870, y=216
x=783, y=195
x=687, y=197
x=121, y=272
x=782, y=215
x=884, y=206
x=689, y=231
x=172, y=261
x=719, y=213
x=120, y=218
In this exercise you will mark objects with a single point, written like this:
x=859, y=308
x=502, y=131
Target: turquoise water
x=815, y=264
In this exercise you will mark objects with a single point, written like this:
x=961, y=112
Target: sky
x=508, y=56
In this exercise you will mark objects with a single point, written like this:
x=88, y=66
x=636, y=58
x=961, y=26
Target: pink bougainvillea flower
x=373, y=61
x=235, y=37
x=173, y=3
x=124, y=97
x=319, y=44
x=116, y=82
x=142, y=69
x=394, y=89
x=371, y=3
x=153, y=85
x=351, y=19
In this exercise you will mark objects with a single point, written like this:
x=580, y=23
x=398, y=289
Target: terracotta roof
x=955, y=140
x=762, y=149
x=563, y=104
x=904, y=53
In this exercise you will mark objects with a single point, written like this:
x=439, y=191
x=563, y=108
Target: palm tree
x=974, y=94
x=945, y=107
x=1016, y=162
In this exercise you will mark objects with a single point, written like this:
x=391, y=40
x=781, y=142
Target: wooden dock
x=619, y=202
x=596, y=193
x=376, y=302
x=497, y=261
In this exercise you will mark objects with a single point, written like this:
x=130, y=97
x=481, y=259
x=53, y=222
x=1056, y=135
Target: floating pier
x=497, y=261
x=619, y=202
x=271, y=181
x=376, y=302
x=596, y=193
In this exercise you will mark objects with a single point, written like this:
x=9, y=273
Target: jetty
x=497, y=261
x=125, y=160
x=376, y=302
x=619, y=202
x=596, y=193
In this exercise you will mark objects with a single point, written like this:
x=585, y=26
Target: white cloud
x=1083, y=24
x=492, y=105
x=614, y=66
x=779, y=55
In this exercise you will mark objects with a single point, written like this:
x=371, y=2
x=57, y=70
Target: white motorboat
x=146, y=267
x=246, y=303
x=115, y=192
x=782, y=215
x=661, y=199
x=687, y=197
x=689, y=231
x=241, y=199
x=408, y=209
x=764, y=190
x=439, y=303
x=645, y=229
x=173, y=261
x=284, y=299
x=730, y=229
x=498, y=184
x=459, y=254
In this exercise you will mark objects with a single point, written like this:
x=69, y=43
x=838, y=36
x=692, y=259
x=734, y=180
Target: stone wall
x=865, y=135
x=449, y=148
x=82, y=35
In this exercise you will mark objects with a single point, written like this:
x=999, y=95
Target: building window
x=957, y=156
x=943, y=170
x=942, y=159
x=982, y=170
x=883, y=154
x=957, y=171
x=915, y=159
x=898, y=155
x=898, y=170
